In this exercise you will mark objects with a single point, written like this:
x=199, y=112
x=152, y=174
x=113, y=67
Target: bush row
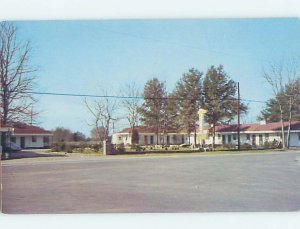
x=80, y=147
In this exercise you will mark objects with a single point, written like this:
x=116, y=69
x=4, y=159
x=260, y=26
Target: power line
x=131, y=97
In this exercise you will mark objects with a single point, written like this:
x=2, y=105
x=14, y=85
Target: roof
x=22, y=128
x=274, y=126
x=145, y=129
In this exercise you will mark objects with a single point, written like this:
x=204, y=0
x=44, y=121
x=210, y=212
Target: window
x=234, y=137
x=299, y=136
x=13, y=139
x=248, y=136
x=219, y=136
x=33, y=139
x=146, y=139
x=120, y=138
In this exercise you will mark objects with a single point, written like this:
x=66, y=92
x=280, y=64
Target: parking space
x=192, y=183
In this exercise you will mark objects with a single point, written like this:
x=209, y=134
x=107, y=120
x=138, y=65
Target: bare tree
x=274, y=76
x=104, y=113
x=131, y=103
x=292, y=91
x=284, y=93
x=97, y=134
x=16, y=77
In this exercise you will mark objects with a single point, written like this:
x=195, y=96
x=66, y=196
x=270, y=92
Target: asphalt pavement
x=191, y=183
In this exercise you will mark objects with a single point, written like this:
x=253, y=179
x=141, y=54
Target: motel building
x=147, y=136
x=256, y=134
x=29, y=136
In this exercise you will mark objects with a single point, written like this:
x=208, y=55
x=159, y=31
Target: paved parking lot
x=221, y=183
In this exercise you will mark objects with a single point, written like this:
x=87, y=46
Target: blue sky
x=85, y=56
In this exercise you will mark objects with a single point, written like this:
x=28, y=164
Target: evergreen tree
x=152, y=110
x=219, y=99
x=170, y=112
x=271, y=112
x=188, y=90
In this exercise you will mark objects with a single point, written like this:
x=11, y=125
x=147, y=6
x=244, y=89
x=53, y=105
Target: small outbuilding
x=30, y=136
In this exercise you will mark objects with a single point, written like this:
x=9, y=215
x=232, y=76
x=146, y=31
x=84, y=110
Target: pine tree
x=170, y=114
x=219, y=93
x=152, y=110
x=271, y=112
x=188, y=90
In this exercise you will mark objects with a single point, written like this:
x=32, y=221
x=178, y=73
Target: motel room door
x=22, y=142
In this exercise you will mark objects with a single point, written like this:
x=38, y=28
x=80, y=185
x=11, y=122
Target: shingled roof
x=274, y=126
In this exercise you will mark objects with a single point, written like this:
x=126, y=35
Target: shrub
x=228, y=146
x=275, y=144
x=120, y=148
x=69, y=148
x=58, y=147
x=246, y=146
x=138, y=148
x=82, y=146
x=96, y=147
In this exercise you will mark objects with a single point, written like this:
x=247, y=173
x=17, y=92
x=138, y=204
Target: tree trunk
x=288, y=135
x=107, y=130
x=214, y=136
x=131, y=134
x=195, y=136
x=282, y=127
x=290, y=120
x=4, y=120
x=157, y=128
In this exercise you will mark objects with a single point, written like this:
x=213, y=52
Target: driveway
x=31, y=153
x=192, y=183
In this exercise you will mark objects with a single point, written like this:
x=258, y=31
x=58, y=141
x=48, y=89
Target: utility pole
x=238, y=113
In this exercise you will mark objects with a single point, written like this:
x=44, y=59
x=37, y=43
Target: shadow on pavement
x=28, y=154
